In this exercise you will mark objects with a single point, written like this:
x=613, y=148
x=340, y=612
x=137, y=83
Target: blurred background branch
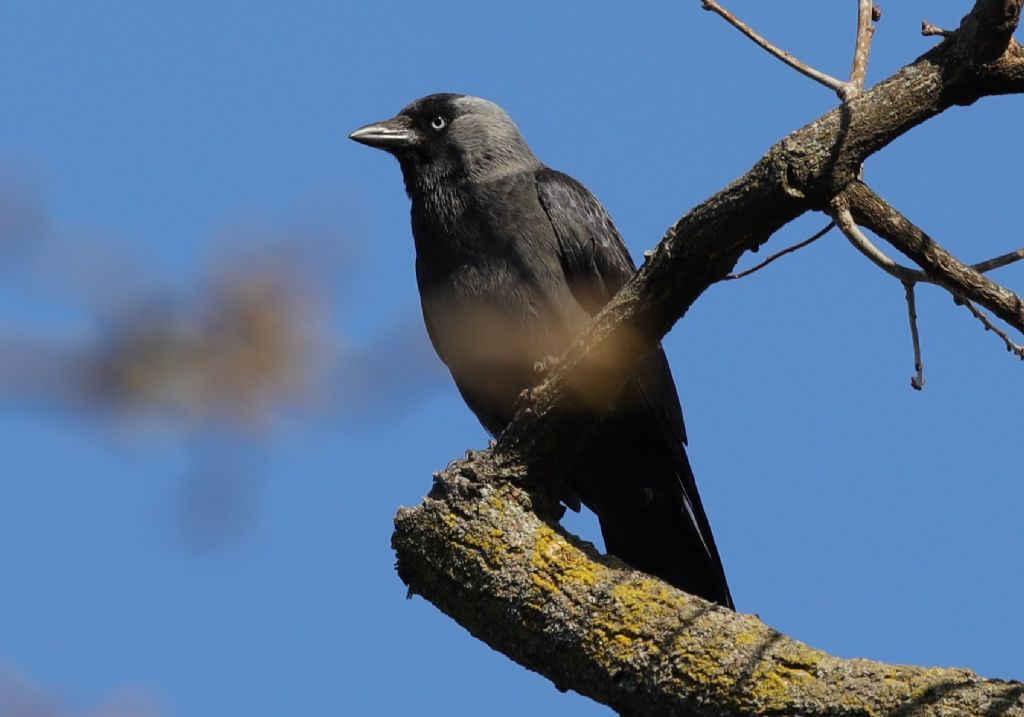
x=248, y=338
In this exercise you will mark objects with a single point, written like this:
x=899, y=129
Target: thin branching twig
x=927, y=29
x=866, y=14
x=831, y=82
x=917, y=380
x=911, y=277
x=788, y=250
x=844, y=220
x=999, y=261
x=981, y=316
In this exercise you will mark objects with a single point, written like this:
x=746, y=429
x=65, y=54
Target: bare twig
x=779, y=255
x=980, y=315
x=867, y=14
x=831, y=82
x=908, y=277
x=917, y=380
x=843, y=218
x=865, y=33
x=873, y=212
x=904, y=273
x=928, y=29
x=999, y=261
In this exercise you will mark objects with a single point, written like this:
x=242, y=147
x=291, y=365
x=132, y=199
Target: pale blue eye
x=439, y=123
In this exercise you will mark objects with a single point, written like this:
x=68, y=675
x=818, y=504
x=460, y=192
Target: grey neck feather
x=491, y=145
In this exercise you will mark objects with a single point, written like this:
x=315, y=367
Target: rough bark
x=478, y=550
x=485, y=548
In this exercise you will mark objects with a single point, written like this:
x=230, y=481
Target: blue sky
x=147, y=146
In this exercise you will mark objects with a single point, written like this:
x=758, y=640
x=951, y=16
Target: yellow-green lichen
x=557, y=563
x=772, y=683
x=640, y=606
x=491, y=546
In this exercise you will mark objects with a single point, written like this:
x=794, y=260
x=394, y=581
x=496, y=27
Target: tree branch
x=478, y=550
x=843, y=218
x=917, y=380
x=999, y=261
x=871, y=211
x=867, y=14
x=788, y=250
x=910, y=277
x=802, y=67
x=928, y=30
x=865, y=33
x=1011, y=346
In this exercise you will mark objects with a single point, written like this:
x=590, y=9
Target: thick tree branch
x=478, y=550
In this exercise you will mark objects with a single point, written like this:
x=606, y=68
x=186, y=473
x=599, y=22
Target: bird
x=513, y=260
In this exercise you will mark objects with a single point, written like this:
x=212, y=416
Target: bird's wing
x=597, y=263
x=594, y=257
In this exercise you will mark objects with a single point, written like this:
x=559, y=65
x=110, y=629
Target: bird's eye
x=439, y=122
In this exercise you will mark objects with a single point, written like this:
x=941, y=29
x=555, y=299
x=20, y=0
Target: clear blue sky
x=852, y=512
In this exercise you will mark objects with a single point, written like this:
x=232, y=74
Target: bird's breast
x=493, y=314
x=494, y=294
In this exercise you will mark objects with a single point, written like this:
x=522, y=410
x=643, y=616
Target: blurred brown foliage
x=21, y=698
x=237, y=348
x=88, y=330
x=247, y=348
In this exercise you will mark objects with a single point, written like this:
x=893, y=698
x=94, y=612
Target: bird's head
x=448, y=137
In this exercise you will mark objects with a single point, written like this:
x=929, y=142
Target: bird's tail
x=660, y=534
x=642, y=488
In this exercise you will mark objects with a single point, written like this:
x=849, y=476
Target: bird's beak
x=392, y=134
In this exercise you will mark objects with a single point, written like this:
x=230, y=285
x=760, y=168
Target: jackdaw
x=512, y=261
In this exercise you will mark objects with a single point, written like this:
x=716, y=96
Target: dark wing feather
x=596, y=264
x=593, y=255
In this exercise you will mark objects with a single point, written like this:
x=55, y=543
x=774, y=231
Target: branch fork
x=867, y=15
